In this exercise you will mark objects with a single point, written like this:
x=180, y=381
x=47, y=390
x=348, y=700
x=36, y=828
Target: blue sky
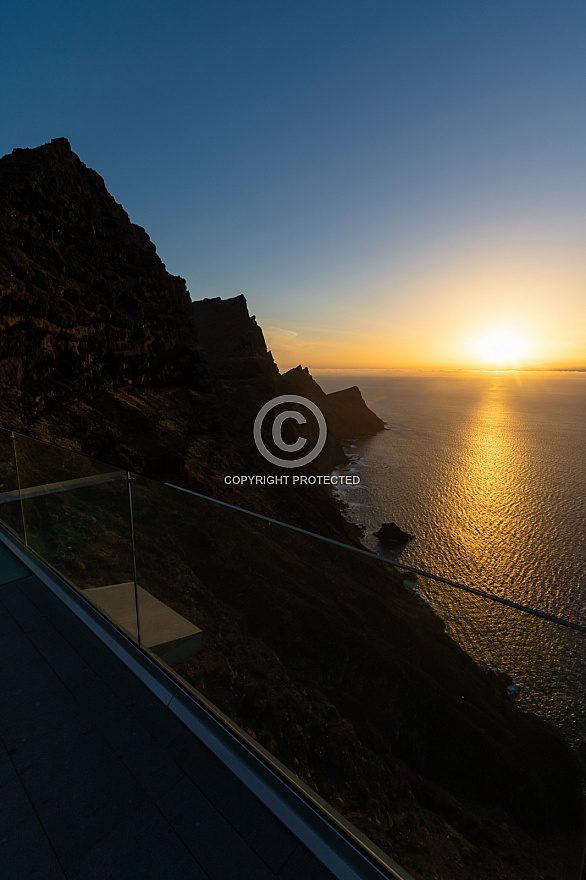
x=384, y=181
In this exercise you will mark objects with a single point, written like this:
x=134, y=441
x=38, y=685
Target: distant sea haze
x=488, y=471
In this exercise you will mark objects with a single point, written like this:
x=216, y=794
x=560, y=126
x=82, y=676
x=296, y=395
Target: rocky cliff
x=346, y=413
x=233, y=340
x=86, y=303
x=236, y=349
x=101, y=349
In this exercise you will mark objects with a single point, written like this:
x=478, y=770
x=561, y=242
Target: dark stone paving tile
x=303, y=865
x=33, y=698
x=218, y=848
x=154, y=716
x=30, y=752
x=72, y=629
x=143, y=848
x=68, y=665
x=7, y=622
x=136, y=696
x=24, y=611
x=16, y=650
x=147, y=760
x=50, y=642
x=63, y=659
x=68, y=626
x=7, y=771
x=255, y=824
x=15, y=806
x=46, y=601
x=81, y=792
x=33, y=587
x=98, y=702
x=96, y=654
x=26, y=853
x=173, y=734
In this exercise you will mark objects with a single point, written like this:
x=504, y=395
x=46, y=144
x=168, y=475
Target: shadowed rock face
x=237, y=355
x=233, y=340
x=300, y=381
x=236, y=350
x=85, y=304
x=350, y=416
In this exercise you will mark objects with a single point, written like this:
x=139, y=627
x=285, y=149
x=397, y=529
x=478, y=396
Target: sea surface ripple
x=488, y=471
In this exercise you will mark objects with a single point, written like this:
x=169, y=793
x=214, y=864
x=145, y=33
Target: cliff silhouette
x=102, y=350
x=86, y=303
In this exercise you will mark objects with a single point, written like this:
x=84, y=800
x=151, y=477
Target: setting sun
x=501, y=347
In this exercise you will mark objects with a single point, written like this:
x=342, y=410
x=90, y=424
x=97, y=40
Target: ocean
x=487, y=470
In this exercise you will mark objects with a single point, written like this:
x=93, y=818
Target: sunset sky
x=391, y=183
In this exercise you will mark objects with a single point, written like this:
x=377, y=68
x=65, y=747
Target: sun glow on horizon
x=501, y=347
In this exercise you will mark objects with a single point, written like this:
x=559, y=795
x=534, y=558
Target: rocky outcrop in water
x=390, y=533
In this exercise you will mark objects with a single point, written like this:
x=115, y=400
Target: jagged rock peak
x=345, y=411
x=29, y=165
x=85, y=302
x=228, y=331
x=298, y=380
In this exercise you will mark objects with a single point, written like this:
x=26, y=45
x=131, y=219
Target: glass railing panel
x=10, y=509
x=76, y=516
x=541, y=662
x=43, y=463
x=332, y=661
x=170, y=619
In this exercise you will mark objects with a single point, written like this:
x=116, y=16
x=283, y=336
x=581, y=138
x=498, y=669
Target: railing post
x=19, y=489
x=129, y=483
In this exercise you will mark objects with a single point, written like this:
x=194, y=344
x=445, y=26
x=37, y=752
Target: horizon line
x=441, y=369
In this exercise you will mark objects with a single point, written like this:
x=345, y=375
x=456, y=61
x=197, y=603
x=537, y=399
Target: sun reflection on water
x=546, y=662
